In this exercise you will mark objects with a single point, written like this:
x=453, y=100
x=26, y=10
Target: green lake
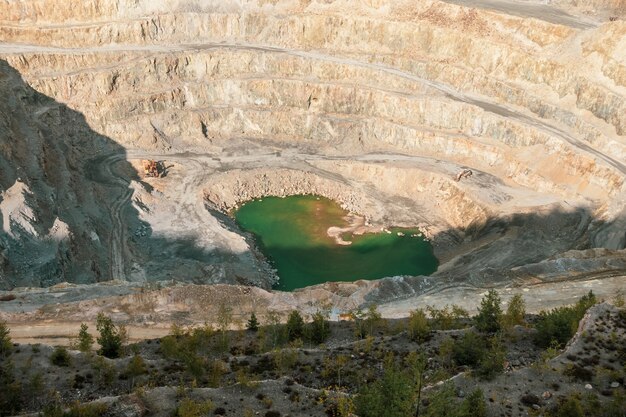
x=292, y=233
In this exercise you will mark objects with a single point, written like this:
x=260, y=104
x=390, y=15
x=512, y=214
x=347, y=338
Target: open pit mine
x=131, y=131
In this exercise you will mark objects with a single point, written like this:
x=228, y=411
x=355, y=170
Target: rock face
x=378, y=105
x=55, y=222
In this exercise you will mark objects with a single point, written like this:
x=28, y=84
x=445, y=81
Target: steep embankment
x=55, y=221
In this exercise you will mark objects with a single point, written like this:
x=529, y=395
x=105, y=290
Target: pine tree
x=489, y=314
x=110, y=340
x=253, y=323
x=6, y=346
x=319, y=328
x=85, y=340
x=295, y=326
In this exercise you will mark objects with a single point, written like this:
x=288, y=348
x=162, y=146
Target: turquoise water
x=292, y=233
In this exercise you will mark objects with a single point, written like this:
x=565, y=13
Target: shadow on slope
x=65, y=215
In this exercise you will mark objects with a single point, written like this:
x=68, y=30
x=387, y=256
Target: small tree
x=515, y=311
x=253, y=323
x=136, y=367
x=6, y=345
x=224, y=320
x=585, y=302
x=618, y=299
x=333, y=368
x=274, y=328
x=360, y=328
x=418, y=327
x=489, y=314
x=295, y=326
x=319, y=328
x=10, y=389
x=110, y=340
x=442, y=402
x=417, y=365
x=84, y=339
x=492, y=361
x=373, y=319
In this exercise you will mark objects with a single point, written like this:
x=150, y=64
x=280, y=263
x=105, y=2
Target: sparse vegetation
x=75, y=410
x=384, y=373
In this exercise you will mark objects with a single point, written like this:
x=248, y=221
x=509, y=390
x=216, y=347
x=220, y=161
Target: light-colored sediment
x=373, y=104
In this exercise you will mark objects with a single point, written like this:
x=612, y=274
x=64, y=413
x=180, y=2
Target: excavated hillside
x=377, y=105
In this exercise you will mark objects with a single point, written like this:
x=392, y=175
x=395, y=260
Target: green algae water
x=292, y=233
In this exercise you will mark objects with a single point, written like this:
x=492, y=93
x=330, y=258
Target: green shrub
x=444, y=404
x=448, y=317
x=86, y=410
x=492, y=362
x=393, y=395
x=474, y=405
x=106, y=371
x=191, y=408
x=469, y=350
x=136, y=367
x=418, y=328
x=557, y=326
x=60, y=357
x=10, y=390
x=75, y=410
x=570, y=408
